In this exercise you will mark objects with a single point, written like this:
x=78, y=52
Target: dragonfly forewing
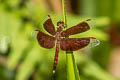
x=49, y=26
x=79, y=28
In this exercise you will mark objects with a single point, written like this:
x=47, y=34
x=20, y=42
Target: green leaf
x=70, y=67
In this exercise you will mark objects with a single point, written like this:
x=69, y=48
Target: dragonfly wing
x=45, y=40
x=79, y=28
x=73, y=44
x=49, y=26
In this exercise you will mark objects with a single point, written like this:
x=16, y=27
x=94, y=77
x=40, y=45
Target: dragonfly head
x=60, y=24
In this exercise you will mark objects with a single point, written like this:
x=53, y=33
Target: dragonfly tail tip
x=53, y=71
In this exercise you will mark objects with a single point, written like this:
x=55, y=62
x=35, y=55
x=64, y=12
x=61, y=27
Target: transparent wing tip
x=33, y=33
x=46, y=17
x=94, y=42
x=88, y=19
x=91, y=22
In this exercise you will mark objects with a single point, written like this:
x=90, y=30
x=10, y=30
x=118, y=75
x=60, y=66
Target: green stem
x=72, y=71
x=64, y=13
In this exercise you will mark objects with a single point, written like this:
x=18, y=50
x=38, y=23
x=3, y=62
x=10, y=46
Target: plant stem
x=72, y=71
x=64, y=13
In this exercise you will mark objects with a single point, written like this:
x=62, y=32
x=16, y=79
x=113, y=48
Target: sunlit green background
x=21, y=57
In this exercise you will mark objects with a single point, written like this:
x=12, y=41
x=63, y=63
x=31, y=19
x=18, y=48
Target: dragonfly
x=60, y=38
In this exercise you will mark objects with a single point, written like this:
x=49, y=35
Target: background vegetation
x=21, y=57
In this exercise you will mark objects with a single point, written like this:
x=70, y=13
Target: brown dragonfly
x=66, y=44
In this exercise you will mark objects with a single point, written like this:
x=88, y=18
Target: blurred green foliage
x=23, y=56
